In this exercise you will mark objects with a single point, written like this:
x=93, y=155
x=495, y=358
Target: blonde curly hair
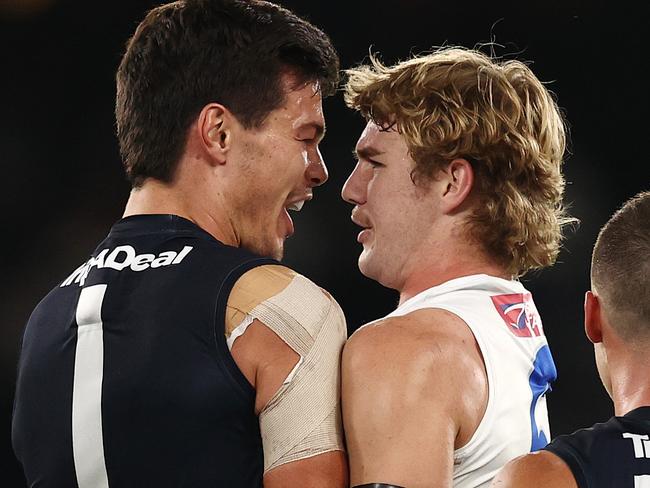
x=460, y=103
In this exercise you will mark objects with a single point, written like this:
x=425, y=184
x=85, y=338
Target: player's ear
x=215, y=125
x=593, y=318
x=458, y=180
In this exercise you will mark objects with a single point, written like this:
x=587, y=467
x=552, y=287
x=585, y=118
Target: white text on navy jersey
x=125, y=256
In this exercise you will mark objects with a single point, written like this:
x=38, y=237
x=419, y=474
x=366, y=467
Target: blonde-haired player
x=458, y=190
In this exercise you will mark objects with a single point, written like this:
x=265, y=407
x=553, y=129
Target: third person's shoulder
x=539, y=469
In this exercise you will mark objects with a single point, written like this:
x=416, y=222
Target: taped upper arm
x=540, y=469
x=303, y=418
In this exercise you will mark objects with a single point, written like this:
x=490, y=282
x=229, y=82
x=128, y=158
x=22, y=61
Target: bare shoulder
x=540, y=469
x=405, y=381
x=413, y=351
x=432, y=336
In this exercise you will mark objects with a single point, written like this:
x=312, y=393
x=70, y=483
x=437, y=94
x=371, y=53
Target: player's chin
x=365, y=264
x=273, y=248
x=278, y=251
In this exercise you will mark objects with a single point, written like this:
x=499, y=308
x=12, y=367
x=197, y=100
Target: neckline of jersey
x=145, y=223
x=639, y=413
x=468, y=281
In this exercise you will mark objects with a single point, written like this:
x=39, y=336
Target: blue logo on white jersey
x=543, y=374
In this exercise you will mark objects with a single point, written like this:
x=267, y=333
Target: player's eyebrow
x=366, y=152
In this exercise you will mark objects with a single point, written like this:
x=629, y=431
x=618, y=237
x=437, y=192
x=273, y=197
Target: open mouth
x=296, y=206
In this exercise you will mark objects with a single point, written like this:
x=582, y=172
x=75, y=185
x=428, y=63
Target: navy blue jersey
x=125, y=378
x=613, y=454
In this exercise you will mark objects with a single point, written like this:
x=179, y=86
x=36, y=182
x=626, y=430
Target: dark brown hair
x=189, y=53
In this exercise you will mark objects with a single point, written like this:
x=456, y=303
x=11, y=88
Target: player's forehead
x=378, y=139
x=303, y=102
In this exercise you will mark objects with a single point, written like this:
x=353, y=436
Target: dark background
x=63, y=185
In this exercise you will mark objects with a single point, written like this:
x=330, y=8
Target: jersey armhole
x=484, y=424
x=222, y=349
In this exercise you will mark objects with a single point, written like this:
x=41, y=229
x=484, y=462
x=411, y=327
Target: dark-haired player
x=616, y=453
x=181, y=353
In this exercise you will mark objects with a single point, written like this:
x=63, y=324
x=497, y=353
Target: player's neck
x=630, y=387
x=447, y=267
x=157, y=197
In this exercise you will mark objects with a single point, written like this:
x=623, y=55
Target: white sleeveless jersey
x=503, y=318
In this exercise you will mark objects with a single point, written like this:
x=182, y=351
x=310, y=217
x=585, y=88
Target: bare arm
x=542, y=469
x=407, y=395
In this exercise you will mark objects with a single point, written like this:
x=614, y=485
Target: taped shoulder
x=252, y=288
x=303, y=419
x=286, y=302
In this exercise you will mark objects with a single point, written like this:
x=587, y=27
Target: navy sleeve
x=563, y=449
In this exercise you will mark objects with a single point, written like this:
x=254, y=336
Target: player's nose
x=353, y=190
x=317, y=173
